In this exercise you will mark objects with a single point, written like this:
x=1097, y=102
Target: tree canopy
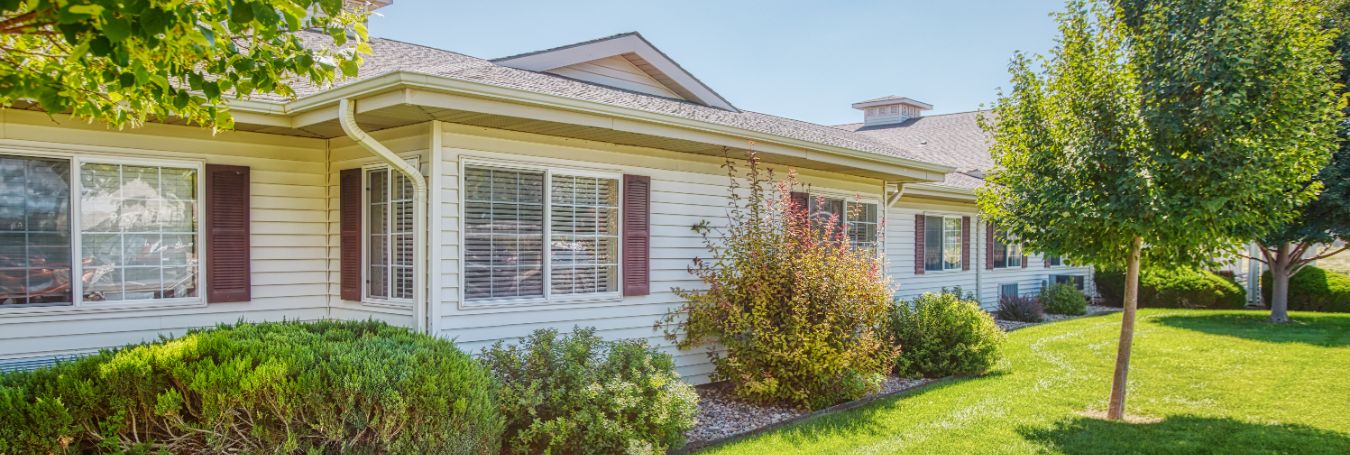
x=126, y=61
x=1195, y=125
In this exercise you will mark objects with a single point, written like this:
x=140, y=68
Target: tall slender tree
x=1162, y=132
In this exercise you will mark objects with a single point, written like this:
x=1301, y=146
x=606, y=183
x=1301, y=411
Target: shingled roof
x=396, y=56
x=952, y=139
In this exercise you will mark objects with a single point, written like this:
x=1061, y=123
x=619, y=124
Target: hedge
x=1314, y=289
x=330, y=387
x=1173, y=288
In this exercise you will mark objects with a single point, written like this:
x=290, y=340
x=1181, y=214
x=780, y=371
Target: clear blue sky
x=801, y=59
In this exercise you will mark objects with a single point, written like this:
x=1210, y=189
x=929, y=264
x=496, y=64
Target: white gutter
x=408, y=79
x=347, y=117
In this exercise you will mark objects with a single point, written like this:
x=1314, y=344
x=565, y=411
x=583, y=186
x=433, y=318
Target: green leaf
x=117, y=29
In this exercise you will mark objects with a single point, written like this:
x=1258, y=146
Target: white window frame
x=548, y=298
x=959, y=245
x=77, y=160
x=365, y=237
x=854, y=199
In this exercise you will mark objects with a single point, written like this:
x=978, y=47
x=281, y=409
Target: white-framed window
x=942, y=243
x=860, y=216
x=538, y=234
x=388, y=262
x=129, y=230
x=1006, y=254
x=1006, y=291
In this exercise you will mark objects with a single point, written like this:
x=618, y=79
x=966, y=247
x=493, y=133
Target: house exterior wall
x=288, y=233
x=685, y=189
x=985, y=283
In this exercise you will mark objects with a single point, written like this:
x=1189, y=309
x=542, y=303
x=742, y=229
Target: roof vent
x=889, y=110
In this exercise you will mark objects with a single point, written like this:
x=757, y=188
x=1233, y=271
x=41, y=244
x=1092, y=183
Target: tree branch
x=1329, y=253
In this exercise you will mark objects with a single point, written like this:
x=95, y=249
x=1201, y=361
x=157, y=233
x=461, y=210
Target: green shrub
x=577, y=394
x=259, y=388
x=1025, y=308
x=1314, y=289
x=1173, y=288
x=1063, y=298
x=800, y=312
x=943, y=335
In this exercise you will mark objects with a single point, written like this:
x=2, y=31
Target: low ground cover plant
x=1173, y=288
x=577, y=394
x=1024, y=308
x=941, y=334
x=1314, y=289
x=800, y=312
x=284, y=387
x=1063, y=298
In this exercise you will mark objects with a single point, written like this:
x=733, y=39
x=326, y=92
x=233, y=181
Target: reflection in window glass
x=503, y=233
x=389, y=206
x=584, y=235
x=35, y=242
x=138, y=232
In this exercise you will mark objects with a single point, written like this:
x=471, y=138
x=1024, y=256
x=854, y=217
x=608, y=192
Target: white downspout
x=347, y=118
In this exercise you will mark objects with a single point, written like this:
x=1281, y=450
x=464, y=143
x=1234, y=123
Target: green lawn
x=1204, y=382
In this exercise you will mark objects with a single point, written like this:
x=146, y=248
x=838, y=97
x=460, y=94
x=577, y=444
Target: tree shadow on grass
x=1330, y=330
x=1185, y=434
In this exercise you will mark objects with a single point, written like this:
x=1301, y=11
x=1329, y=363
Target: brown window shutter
x=989, y=246
x=227, y=234
x=637, y=218
x=349, y=216
x=1024, y=261
x=965, y=243
x=1045, y=260
x=802, y=200
x=918, y=244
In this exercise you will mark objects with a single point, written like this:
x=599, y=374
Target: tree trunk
x=1116, y=411
x=1279, y=284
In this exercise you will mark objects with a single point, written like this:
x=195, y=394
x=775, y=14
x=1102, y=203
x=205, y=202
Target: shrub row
x=343, y=387
x=258, y=388
x=1173, y=288
x=1314, y=289
x=942, y=334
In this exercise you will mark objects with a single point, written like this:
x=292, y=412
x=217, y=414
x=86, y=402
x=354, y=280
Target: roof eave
x=319, y=104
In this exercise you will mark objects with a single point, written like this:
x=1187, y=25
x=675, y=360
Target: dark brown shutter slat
x=989, y=246
x=228, y=262
x=637, y=191
x=965, y=243
x=349, y=216
x=918, y=244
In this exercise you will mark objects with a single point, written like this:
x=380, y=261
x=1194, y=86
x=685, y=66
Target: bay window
x=136, y=231
x=531, y=234
x=942, y=243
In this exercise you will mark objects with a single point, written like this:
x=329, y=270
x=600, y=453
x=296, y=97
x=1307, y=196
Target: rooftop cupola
x=889, y=110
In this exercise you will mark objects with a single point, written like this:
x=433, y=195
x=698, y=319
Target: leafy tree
x=1306, y=239
x=1162, y=131
x=124, y=61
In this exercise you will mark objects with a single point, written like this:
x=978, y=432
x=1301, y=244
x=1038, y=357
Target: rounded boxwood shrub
x=579, y=394
x=1314, y=289
x=1173, y=288
x=1063, y=298
x=943, y=335
x=288, y=387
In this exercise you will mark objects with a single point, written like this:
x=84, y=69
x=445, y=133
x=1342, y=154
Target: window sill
x=541, y=301
x=399, y=304
x=104, y=307
x=931, y=272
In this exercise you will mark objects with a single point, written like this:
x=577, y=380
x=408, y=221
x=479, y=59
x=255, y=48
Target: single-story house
x=467, y=198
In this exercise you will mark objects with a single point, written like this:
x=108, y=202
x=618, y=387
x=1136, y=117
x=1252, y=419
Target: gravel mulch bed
x=721, y=415
x=1091, y=310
